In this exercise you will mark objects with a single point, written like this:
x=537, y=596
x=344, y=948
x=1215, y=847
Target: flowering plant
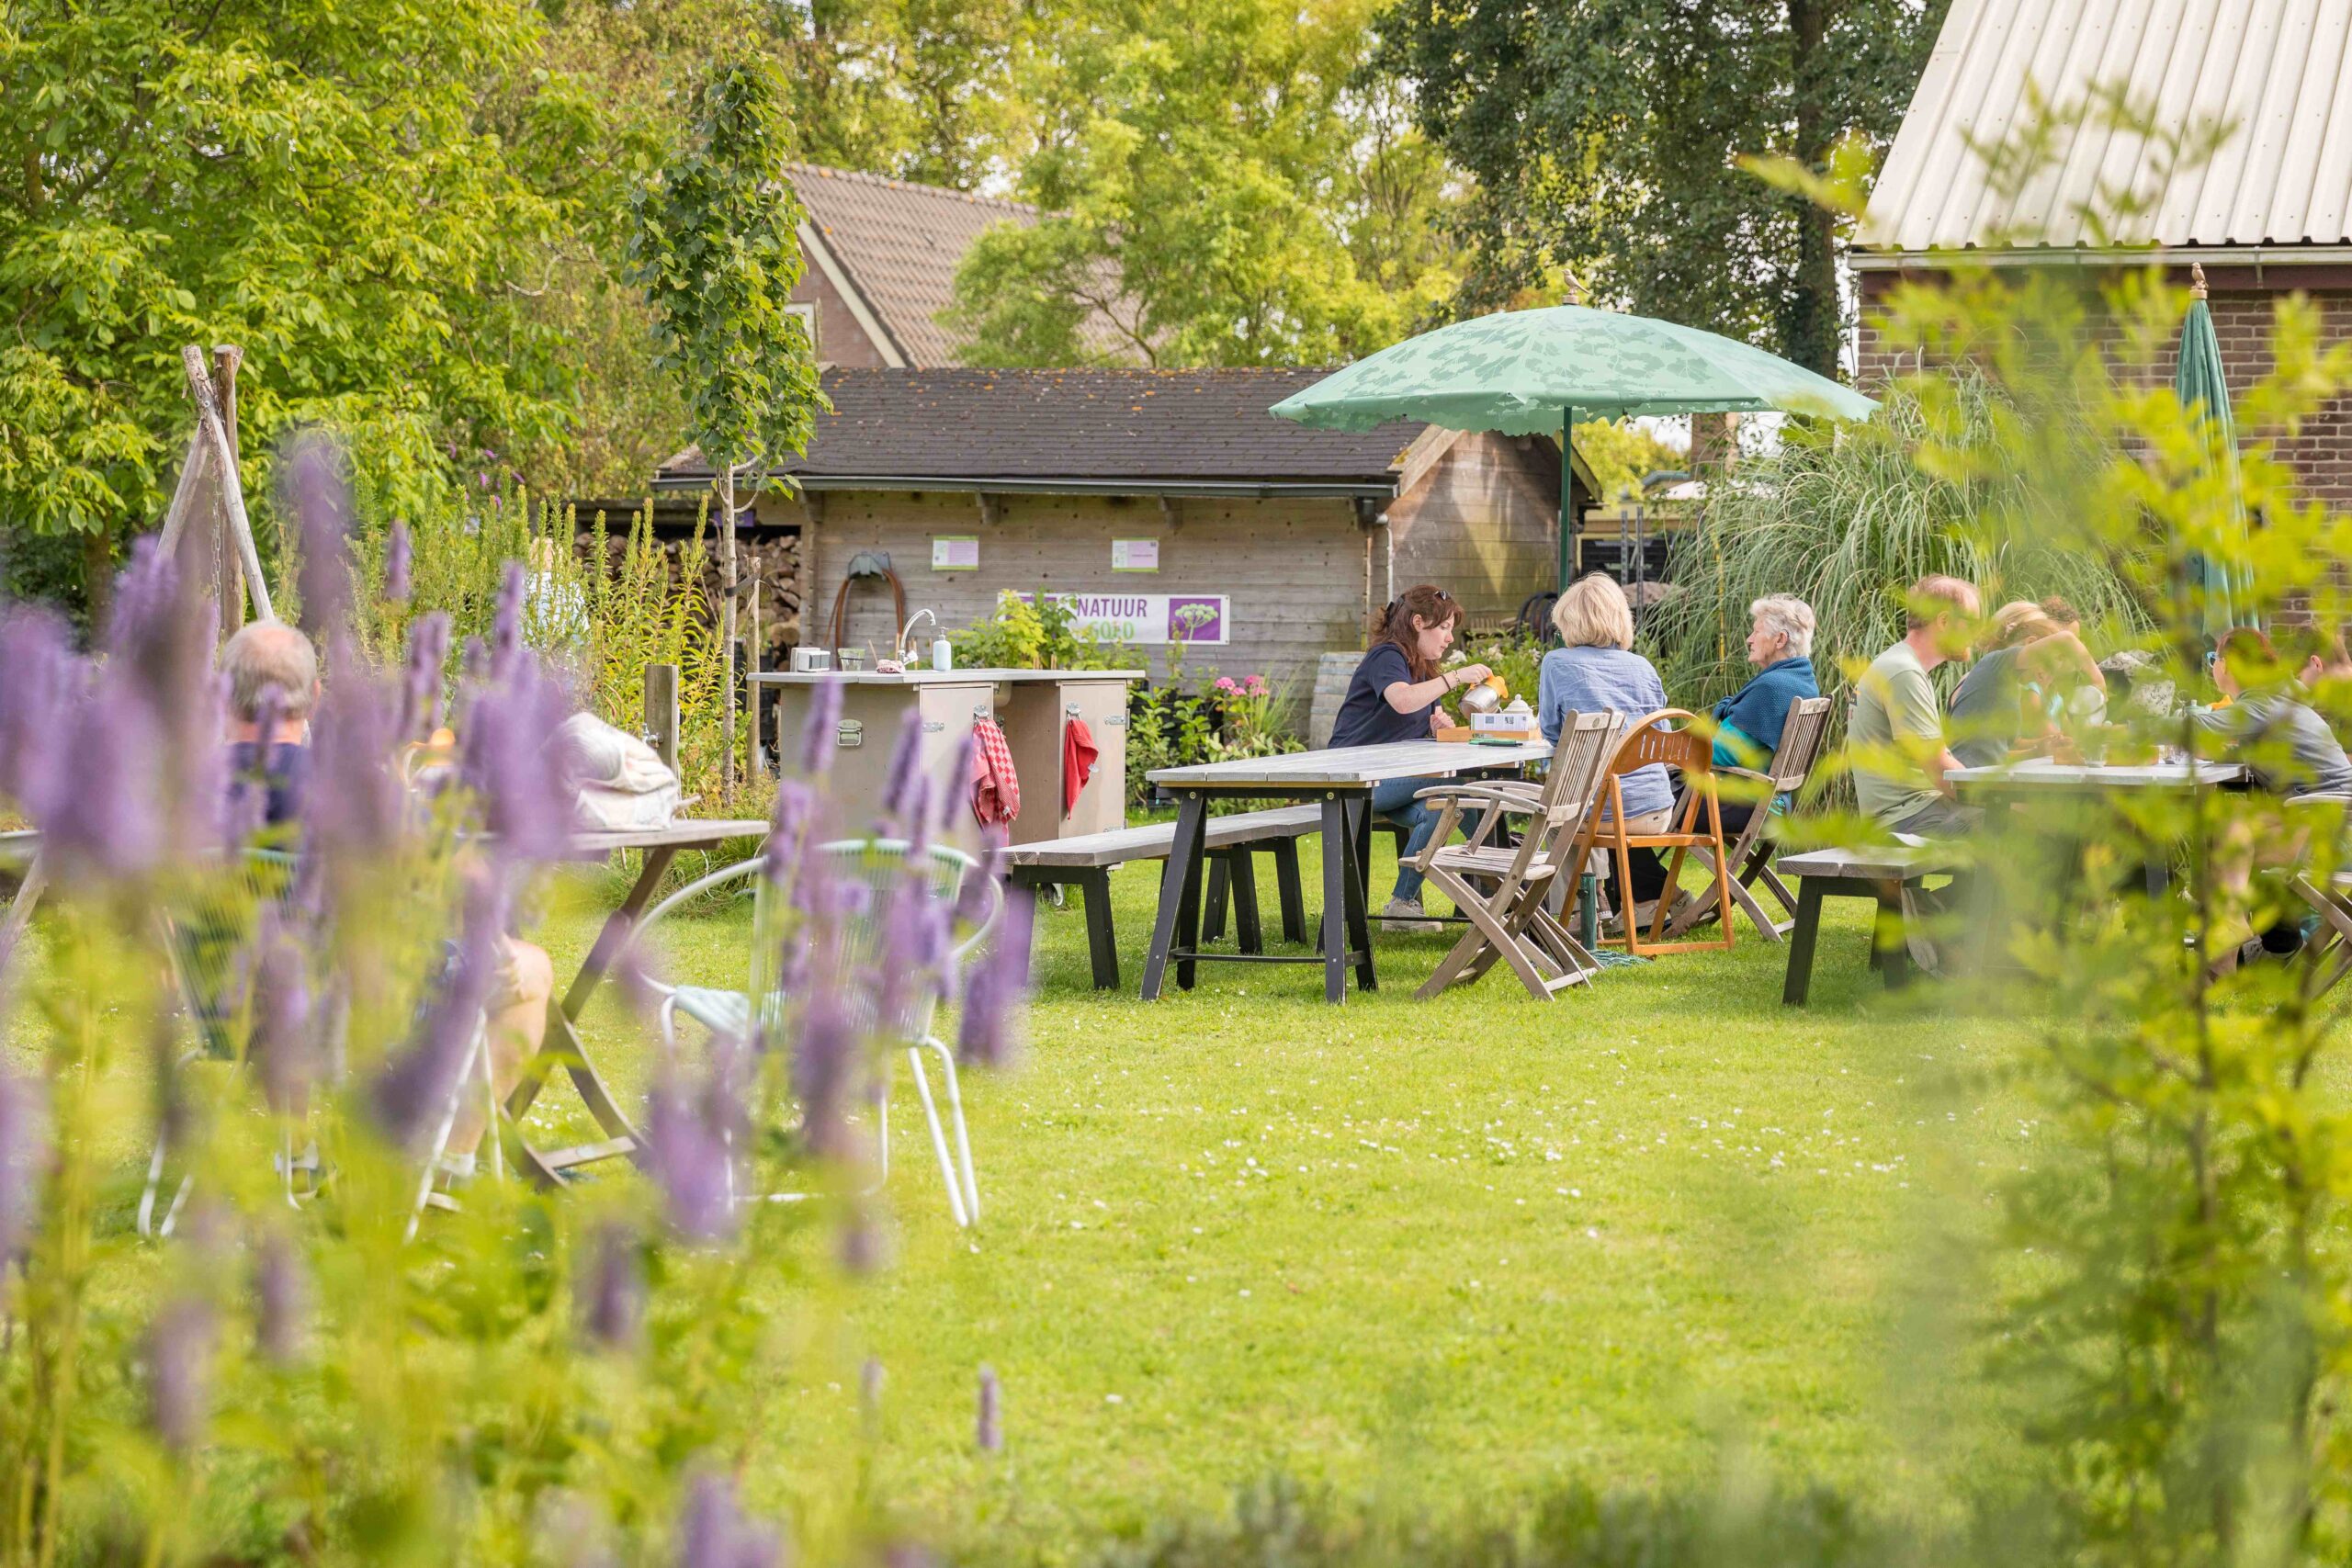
x=313, y=1365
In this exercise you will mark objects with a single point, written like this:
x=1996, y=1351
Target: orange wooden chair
x=1694, y=754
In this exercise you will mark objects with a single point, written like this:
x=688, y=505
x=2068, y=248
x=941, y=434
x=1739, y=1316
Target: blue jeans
x=1395, y=801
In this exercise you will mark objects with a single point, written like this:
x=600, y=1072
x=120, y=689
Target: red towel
x=1077, y=761
x=996, y=792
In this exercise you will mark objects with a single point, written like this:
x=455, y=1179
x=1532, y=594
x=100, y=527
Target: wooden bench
x=1878, y=875
x=1085, y=862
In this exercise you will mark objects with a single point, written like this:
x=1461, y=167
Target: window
x=805, y=313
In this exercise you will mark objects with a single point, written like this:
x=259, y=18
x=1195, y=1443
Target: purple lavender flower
x=790, y=826
x=613, y=1305
x=316, y=493
x=714, y=1533
x=43, y=678
x=397, y=557
x=820, y=736
x=413, y=1091
x=179, y=1370
x=994, y=992
x=687, y=1151
x=973, y=899
x=280, y=1296
x=283, y=1048
x=906, y=756
x=918, y=820
x=506, y=626
x=861, y=1243
x=353, y=802
x=825, y=1062
x=100, y=813
x=24, y=1154
x=511, y=764
x=958, y=784
x=428, y=654
x=988, y=1423
x=870, y=1378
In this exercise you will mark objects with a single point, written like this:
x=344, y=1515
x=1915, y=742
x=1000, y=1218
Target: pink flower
x=1224, y=683
x=1257, y=685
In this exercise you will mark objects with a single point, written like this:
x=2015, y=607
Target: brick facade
x=840, y=339
x=2242, y=305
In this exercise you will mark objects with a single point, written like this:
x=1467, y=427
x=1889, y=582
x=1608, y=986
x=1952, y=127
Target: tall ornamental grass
x=1846, y=520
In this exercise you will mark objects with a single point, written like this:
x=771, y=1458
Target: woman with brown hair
x=1393, y=696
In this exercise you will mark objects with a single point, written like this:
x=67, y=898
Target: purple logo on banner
x=1196, y=618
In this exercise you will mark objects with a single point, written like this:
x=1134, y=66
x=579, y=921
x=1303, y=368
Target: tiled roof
x=900, y=244
x=2279, y=70
x=1085, y=425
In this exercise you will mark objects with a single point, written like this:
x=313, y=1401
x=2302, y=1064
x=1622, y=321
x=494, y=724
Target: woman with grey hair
x=1747, y=723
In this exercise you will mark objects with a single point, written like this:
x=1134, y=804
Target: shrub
x=1035, y=633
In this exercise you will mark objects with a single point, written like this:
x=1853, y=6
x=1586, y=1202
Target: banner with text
x=1149, y=618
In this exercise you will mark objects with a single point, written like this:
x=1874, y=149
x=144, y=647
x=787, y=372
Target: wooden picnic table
x=660, y=845
x=2040, y=776
x=1338, y=779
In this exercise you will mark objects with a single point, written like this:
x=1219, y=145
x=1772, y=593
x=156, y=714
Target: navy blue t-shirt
x=1365, y=718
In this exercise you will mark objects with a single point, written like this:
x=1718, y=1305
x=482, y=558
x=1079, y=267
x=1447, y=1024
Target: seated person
x=1596, y=671
x=2290, y=752
x=1898, y=735
x=1393, y=696
x=2030, y=659
x=1748, y=722
x=274, y=679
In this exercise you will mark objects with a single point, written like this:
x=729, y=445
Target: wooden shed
x=1158, y=501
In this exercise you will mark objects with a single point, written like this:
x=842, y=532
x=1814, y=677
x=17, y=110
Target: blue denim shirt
x=1596, y=680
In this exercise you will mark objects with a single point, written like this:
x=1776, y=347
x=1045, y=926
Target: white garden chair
x=874, y=869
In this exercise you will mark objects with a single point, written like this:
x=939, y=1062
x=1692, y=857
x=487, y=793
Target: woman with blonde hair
x=1593, y=671
x=2028, y=654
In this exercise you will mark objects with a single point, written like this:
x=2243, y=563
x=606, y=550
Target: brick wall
x=840, y=339
x=2321, y=452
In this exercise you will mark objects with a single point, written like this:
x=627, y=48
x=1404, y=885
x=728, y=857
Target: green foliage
x=1214, y=188
x=1621, y=453
x=1846, y=520
x=1605, y=137
x=1035, y=633
x=323, y=187
x=715, y=253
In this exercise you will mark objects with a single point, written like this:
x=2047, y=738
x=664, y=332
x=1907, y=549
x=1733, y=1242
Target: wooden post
x=727, y=638
x=662, y=712
x=228, y=571
x=752, y=649
x=233, y=497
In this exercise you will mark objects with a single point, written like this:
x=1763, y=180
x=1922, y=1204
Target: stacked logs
x=770, y=555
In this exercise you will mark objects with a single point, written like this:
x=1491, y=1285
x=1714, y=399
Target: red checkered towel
x=996, y=790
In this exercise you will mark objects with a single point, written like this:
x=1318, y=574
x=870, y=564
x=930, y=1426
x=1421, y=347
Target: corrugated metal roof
x=2280, y=71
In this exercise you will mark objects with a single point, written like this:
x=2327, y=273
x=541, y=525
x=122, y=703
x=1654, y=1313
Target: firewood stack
x=771, y=558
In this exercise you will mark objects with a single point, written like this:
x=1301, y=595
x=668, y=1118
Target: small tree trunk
x=727, y=638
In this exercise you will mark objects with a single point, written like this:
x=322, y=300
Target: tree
x=1212, y=186
x=312, y=183
x=1606, y=137
x=717, y=254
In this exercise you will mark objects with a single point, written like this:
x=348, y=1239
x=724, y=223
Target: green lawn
x=1444, y=1254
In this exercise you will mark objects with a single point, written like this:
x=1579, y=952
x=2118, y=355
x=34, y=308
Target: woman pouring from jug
x=1394, y=696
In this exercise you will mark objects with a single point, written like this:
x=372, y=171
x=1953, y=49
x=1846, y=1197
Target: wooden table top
x=1356, y=766
x=684, y=833
x=2042, y=774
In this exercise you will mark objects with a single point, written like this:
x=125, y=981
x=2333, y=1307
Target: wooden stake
x=228, y=572
x=209, y=429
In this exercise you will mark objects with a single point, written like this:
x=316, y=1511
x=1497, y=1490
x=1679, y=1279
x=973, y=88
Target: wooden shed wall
x=1293, y=571
x=1481, y=523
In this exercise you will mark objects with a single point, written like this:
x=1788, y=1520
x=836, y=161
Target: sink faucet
x=908, y=630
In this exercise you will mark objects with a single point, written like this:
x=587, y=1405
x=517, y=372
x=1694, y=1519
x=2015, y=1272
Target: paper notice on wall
x=1134, y=555
x=1150, y=619
x=956, y=552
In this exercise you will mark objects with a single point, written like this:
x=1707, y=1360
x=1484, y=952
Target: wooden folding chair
x=1803, y=734
x=1693, y=754
x=1500, y=888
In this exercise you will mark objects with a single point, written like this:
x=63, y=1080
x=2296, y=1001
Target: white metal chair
x=875, y=869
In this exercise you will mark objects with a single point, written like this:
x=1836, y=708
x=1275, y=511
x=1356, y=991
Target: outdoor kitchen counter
x=1033, y=706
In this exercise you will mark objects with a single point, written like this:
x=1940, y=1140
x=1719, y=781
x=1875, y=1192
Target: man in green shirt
x=1897, y=736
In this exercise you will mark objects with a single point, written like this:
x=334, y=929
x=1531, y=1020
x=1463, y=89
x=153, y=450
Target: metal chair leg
x=938, y=1138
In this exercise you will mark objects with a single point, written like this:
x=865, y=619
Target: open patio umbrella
x=2226, y=592
x=1537, y=372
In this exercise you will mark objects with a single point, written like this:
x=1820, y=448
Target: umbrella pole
x=1568, y=494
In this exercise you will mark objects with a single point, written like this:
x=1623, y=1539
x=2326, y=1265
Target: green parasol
x=1537, y=372
x=2225, y=593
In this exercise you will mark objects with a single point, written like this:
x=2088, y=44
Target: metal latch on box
x=1114, y=721
x=934, y=726
x=851, y=732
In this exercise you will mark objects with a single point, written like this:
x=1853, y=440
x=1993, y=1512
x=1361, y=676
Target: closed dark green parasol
x=2223, y=591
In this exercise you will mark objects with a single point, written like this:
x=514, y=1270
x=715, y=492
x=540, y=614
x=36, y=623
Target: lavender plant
x=309, y=1372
